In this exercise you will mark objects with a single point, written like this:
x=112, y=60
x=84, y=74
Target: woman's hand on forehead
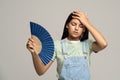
x=81, y=16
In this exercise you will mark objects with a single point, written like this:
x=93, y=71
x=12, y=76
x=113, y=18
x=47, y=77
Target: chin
x=76, y=36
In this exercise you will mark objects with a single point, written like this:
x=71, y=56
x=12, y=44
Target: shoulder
x=57, y=42
x=89, y=42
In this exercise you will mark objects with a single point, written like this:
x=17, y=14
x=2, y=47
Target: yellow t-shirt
x=74, y=48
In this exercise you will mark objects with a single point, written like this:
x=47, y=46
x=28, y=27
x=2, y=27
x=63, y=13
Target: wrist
x=34, y=54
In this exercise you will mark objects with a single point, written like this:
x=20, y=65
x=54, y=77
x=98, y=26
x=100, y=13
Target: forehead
x=75, y=20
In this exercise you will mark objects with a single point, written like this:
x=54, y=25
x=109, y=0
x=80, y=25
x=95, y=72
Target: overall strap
x=64, y=50
x=84, y=48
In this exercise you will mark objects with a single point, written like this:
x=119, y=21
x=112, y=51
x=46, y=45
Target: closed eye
x=81, y=26
x=73, y=24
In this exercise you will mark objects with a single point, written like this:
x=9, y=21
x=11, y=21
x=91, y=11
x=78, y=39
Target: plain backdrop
x=15, y=15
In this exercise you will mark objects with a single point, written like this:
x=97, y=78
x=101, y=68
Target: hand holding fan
x=45, y=44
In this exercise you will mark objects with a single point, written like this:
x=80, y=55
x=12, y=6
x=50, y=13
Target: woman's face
x=75, y=29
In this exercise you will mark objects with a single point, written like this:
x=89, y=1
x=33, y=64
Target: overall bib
x=74, y=68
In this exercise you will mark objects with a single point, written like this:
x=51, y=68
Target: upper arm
x=46, y=67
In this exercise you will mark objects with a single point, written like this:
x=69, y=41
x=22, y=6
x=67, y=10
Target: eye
x=81, y=26
x=73, y=24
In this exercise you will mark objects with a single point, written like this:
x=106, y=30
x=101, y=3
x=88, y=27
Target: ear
x=67, y=26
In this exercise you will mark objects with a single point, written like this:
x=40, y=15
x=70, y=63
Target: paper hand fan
x=45, y=39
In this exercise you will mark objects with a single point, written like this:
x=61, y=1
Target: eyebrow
x=75, y=22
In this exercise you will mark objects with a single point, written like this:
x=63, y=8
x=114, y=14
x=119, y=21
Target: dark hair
x=65, y=31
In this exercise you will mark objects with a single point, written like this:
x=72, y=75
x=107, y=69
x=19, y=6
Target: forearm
x=99, y=39
x=100, y=42
x=38, y=64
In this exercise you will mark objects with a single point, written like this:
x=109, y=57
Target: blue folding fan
x=46, y=40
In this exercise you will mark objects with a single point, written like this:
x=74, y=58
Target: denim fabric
x=75, y=68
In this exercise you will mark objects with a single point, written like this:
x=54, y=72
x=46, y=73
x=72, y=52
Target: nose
x=76, y=27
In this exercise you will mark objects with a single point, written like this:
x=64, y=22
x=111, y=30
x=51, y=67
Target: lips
x=75, y=32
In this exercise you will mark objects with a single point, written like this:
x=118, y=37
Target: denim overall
x=74, y=68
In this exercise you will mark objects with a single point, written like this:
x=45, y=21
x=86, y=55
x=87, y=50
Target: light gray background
x=15, y=15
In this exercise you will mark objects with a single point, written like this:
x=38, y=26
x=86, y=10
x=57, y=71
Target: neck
x=73, y=39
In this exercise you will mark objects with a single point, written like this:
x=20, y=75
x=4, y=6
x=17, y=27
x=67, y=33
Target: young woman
x=75, y=37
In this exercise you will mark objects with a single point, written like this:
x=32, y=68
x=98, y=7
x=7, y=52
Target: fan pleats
x=44, y=36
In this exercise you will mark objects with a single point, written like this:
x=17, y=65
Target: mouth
x=75, y=32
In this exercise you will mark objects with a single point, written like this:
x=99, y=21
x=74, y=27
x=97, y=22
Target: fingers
x=34, y=45
x=30, y=45
x=80, y=16
x=79, y=13
x=30, y=41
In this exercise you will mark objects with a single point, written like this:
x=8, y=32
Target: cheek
x=70, y=28
x=80, y=31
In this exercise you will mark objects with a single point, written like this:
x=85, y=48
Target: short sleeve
x=89, y=45
x=54, y=57
x=55, y=50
